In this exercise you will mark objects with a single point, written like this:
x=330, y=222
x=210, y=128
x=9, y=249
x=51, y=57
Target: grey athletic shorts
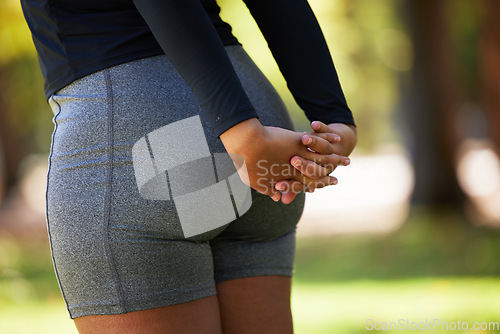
x=141, y=213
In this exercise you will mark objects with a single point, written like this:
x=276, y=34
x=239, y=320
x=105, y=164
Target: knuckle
x=315, y=176
x=329, y=160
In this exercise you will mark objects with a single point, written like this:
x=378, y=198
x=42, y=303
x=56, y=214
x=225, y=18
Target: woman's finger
x=310, y=168
x=325, y=160
x=312, y=184
x=329, y=136
x=323, y=182
x=288, y=197
x=269, y=191
x=290, y=186
x=319, y=126
x=319, y=144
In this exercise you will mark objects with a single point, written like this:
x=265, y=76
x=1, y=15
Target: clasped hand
x=281, y=163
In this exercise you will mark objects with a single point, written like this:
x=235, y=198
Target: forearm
x=185, y=33
x=237, y=138
x=299, y=47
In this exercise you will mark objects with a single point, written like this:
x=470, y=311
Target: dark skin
x=287, y=161
x=266, y=306
x=335, y=139
x=265, y=310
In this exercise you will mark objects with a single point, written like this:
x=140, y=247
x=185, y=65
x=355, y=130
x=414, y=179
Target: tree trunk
x=489, y=67
x=12, y=145
x=432, y=106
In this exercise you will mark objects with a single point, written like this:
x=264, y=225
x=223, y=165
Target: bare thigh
x=258, y=304
x=247, y=305
x=199, y=316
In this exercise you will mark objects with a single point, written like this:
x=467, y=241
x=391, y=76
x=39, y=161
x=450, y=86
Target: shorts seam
x=146, y=302
x=56, y=125
x=253, y=272
x=109, y=187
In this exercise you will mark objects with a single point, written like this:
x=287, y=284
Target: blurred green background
x=410, y=233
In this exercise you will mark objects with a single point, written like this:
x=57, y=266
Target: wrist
x=236, y=138
x=348, y=135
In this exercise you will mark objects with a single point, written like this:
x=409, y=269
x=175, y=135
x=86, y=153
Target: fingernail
x=280, y=186
x=347, y=162
x=296, y=162
x=309, y=141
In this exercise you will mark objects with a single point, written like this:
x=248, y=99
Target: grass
x=438, y=266
x=30, y=301
x=36, y=317
x=345, y=307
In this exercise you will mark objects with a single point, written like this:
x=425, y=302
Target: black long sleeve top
x=74, y=38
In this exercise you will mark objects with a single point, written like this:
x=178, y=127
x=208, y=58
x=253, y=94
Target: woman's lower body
x=117, y=250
